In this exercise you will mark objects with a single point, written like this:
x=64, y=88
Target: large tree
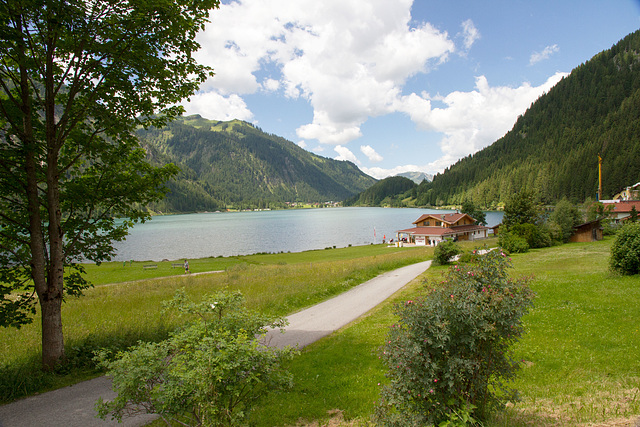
x=77, y=78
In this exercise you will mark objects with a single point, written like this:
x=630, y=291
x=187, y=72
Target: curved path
x=73, y=406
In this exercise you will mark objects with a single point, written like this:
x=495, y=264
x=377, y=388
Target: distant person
x=186, y=266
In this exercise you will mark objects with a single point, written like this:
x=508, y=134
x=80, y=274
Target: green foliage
x=521, y=208
x=470, y=209
x=625, y=251
x=565, y=216
x=444, y=251
x=207, y=374
x=552, y=149
x=382, y=191
x=513, y=243
x=452, y=347
x=536, y=236
x=77, y=80
x=633, y=214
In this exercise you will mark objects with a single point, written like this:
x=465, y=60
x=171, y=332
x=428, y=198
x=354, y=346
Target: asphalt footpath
x=73, y=406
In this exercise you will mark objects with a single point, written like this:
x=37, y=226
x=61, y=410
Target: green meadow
x=581, y=354
x=125, y=304
x=581, y=359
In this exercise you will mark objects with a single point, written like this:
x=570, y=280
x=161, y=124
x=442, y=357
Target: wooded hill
x=234, y=164
x=384, y=193
x=553, y=148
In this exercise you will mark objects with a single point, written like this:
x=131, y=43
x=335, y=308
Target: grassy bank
x=581, y=354
x=118, y=272
x=118, y=315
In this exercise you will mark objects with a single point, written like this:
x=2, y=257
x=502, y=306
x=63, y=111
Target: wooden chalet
x=431, y=229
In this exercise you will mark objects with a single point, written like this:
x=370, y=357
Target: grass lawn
x=118, y=272
x=118, y=315
x=581, y=354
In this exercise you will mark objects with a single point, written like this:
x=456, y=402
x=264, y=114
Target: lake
x=204, y=235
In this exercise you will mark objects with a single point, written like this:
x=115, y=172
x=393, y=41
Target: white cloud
x=371, y=154
x=348, y=58
x=212, y=105
x=345, y=154
x=302, y=144
x=472, y=120
x=545, y=54
x=271, y=85
x=469, y=34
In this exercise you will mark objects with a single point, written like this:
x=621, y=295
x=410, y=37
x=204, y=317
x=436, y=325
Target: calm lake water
x=242, y=233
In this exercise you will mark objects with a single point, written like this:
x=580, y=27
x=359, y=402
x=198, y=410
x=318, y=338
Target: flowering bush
x=450, y=350
x=207, y=374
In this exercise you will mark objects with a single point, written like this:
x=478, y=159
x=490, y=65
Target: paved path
x=320, y=320
x=73, y=406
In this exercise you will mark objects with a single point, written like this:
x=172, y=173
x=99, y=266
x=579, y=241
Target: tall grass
x=581, y=352
x=117, y=316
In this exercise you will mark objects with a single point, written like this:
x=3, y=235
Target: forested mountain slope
x=553, y=148
x=235, y=164
x=382, y=193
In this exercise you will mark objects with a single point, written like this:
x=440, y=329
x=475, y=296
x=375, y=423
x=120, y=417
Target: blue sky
x=396, y=85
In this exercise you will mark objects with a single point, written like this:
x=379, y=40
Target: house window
x=438, y=223
x=426, y=223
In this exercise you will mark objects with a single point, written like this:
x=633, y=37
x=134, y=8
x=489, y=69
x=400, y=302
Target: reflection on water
x=242, y=233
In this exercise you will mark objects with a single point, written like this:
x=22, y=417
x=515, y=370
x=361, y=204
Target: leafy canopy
x=77, y=78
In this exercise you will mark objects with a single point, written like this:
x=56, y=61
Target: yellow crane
x=599, y=177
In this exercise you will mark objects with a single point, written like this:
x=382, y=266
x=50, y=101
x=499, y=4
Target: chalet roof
x=442, y=231
x=450, y=218
x=624, y=206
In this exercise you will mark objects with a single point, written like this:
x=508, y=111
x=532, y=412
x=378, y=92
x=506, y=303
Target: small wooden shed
x=588, y=232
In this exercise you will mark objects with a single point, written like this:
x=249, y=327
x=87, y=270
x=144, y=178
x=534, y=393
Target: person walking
x=186, y=266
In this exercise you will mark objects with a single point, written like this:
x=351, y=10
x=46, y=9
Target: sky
x=396, y=85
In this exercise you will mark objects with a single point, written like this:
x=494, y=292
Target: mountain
x=416, y=177
x=553, y=148
x=236, y=164
x=383, y=193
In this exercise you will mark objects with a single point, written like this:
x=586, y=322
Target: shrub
x=444, y=251
x=625, y=250
x=537, y=236
x=512, y=243
x=451, y=349
x=565, y=216
x=209, y=373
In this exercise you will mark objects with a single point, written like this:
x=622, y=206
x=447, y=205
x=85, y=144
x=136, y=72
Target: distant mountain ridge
x=416, y=177
x=236, y=164
x=553, y=147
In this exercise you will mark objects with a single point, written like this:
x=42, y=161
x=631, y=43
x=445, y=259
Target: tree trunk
x=52, y=339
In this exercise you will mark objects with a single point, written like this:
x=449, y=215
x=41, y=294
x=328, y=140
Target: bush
x=565, y=216
x=512, y=243
x=207, y=374
x=444, y=251
x=537, y=236
x=451, y=349
x=625, y=250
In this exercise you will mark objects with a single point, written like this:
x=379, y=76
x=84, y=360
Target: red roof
x=442, y=231
x=624, y=207
x=450, y=218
